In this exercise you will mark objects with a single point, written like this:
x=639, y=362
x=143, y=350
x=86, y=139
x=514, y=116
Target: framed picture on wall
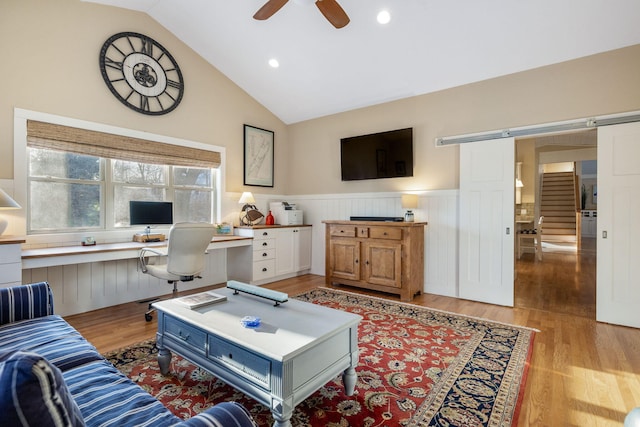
x=258, y=156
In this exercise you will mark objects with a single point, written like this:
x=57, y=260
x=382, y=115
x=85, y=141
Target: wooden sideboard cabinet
x=381, y=256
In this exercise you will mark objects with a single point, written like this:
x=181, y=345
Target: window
x=72, y=192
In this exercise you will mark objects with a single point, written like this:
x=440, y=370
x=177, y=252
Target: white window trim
x=19, y=224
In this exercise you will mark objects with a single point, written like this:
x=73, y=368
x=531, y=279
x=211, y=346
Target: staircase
x=558, y=206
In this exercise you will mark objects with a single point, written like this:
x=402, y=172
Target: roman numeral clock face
x=141, y=73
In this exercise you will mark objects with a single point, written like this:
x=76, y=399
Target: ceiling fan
x=329, y=8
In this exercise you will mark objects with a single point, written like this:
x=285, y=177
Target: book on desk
x=201, y=299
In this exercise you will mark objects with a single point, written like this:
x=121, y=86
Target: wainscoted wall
x=438, y=208
x=83, y=287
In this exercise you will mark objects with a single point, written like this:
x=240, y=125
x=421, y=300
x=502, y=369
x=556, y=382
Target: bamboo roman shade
x=100, y=144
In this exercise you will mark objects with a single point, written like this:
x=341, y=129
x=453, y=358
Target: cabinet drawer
x=264, y=254
x=188, y=334
x=263, y=234
x=391, y=233
x=264, y=269
x=10, y=254
x=343, y=230
x=10, y=273
x=256, y=368
x=264, y=244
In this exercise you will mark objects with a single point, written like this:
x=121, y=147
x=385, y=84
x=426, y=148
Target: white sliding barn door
x=487, y=191
x=618, y=278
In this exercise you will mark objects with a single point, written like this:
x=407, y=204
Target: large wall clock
x=141, y=73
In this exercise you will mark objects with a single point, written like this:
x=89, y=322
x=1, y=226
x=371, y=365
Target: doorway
x=564, y=281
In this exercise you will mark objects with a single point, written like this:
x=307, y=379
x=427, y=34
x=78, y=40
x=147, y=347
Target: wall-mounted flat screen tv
x=378, y=155
x=150, y=213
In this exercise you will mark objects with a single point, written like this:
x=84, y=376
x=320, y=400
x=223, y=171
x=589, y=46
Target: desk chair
x=531, y=239
x=184, y=256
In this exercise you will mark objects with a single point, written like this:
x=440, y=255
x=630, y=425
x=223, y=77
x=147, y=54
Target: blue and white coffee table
x=297, y=348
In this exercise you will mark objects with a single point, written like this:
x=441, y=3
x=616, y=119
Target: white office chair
x=531, y=239
x=184, y=256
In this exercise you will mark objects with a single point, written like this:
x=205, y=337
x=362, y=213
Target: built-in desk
x=85, y=278
x=66, y=255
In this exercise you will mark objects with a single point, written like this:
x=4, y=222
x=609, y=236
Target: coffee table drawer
x=187, y=334
x=257, y=369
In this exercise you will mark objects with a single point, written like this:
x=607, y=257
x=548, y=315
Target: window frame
x=20, y=183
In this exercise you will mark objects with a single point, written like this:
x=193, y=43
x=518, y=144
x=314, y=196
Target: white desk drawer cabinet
x=278, y=252
x=10, y=261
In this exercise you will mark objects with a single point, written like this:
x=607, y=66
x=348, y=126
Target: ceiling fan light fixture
x=273, y=62
x=383, y=17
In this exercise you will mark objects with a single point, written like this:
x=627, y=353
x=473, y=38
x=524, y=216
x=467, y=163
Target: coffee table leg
x=281, y=421
x=349, y=378
x=164, y=359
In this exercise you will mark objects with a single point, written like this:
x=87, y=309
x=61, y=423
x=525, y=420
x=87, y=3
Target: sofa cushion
x=25, y=302
x=51, y=337
x=107, y=398
x=34, y=393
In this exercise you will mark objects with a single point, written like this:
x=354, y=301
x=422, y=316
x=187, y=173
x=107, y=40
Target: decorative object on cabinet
x=224, y=228
x=409, y=201
x=269, y=219
x=258, y=156
x=386, y=257
x=141, y=73
x=249, y=215
x=6, y=203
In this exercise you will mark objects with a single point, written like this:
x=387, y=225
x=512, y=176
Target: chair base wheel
x=148, y=317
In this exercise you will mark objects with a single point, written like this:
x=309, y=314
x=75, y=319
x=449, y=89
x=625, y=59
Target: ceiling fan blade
x=333, y=12
x=269, y=8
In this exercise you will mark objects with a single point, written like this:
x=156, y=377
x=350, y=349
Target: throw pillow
x=34, y=393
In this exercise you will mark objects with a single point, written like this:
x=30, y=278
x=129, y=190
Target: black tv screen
x=378, y=155
x=150, y=213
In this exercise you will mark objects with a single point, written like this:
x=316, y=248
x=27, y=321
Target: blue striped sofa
x=51, y=376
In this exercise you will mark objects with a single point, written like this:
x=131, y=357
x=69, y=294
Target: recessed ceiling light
x=274, y=63
x=384, y=17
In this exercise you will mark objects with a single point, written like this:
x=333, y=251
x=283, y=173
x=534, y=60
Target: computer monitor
x=150, y=213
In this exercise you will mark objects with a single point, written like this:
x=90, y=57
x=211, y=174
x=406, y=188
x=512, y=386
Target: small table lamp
x=6, y=202
x=409, y=201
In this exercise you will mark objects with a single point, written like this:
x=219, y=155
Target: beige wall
x=50, y=64
x=602, y=84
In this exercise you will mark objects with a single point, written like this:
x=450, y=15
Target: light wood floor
x=583, y=373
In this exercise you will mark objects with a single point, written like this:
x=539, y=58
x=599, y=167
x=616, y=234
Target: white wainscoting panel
x=439, y=208
x=441, y=242
x=84, y=287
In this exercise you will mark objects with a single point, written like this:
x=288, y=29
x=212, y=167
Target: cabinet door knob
x=265, y=233
x=357, y=261
x=264, y=269
x=265, y=244
x=264, y=254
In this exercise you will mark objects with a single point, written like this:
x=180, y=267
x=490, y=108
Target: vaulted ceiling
x=428, y=45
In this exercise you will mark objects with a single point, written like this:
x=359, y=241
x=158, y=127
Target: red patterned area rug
x=417, y=367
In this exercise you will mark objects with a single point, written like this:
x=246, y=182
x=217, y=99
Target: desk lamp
x=409, y=201
x=6, y=202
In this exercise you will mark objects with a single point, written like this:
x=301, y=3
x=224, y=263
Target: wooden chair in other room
x=531, y=239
